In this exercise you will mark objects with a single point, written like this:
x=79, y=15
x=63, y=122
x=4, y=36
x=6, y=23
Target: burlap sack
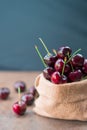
x=62, y=101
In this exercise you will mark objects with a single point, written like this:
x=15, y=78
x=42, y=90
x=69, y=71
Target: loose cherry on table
x=28, y=98
x=4, y=93
x=20, y=84
x=19, y=107
x=32, y=90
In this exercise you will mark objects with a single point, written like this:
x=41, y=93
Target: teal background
x=57, y=22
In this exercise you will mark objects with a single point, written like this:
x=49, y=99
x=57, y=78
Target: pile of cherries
x=63, y=66
x=25, y=100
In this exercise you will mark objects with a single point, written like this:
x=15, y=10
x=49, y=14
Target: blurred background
x=22, y=22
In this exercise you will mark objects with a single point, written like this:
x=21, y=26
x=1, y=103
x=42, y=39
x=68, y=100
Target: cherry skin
x=64, y=79
x=47, y=72
x=75, y=76
x=63, y=51
x=56, y=78
x=19, y=107
x=50, y=59
x=78, y=60
x=59, y=65
x=4, y=93
x=20, y=84
x=84, y=68
x=28, y=99
x=32, y=90
x=67, y=69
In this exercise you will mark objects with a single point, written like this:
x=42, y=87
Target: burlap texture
x=61, y=101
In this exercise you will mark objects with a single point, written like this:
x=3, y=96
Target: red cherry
x=64, y=79
x=63, y=51
x=28, y=99
x=84, y=68
x=4, y=93
x=75, y=76
x=19, y=107
x=78, y=60
x=50, y=60
x=21, y=85
x=56, y=78
x=32, y=90
x=47, y=72
x=59, y=65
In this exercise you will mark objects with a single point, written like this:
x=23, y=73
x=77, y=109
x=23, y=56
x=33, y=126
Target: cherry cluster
x=25, y=100
x=63, y=66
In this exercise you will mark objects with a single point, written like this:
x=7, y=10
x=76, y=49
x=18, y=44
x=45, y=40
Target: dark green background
x=57, y=22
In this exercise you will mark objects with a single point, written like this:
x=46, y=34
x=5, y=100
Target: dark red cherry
x=84, y=68
x=32, y=90
x=67, y=69
x=4, y=93
x=78, y=60
x=64, y=79
x=75, y=76
x=28, y=99
x=56, y=78
x=63, y=51
x=19, y=107
x=50, y=59
x=20, y=84
x=59, y=65
x=47, y=72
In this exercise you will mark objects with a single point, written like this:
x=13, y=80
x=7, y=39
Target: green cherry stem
x=65, y=59
x=70, y=62
x=70, y=57
x=54, y=51
x=40, y=56
x=19, y=95
x=44, y=46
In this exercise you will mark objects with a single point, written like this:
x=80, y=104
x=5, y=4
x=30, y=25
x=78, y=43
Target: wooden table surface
x=30, y=121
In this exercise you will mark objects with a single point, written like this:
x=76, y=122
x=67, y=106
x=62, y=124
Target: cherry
x=28, y=99
x=84, y=68
x=63, y=51
x=77, y=60
x=56, y=78
x=4, y=93
x=19, y=107
x=50, y=59
x=64, y=79
x=32, y=90
x=47, y=72
x=75, y=76
x=20, y=84
x=67, y=69
x=59, y=65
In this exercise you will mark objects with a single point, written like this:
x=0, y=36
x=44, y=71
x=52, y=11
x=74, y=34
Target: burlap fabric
x=61, y=101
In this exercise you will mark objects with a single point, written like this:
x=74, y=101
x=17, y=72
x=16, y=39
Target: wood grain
x=30, y=121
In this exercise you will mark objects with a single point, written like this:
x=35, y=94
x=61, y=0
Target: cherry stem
x=65, y=59
x=19, y=91
x=54, y=51
x=40, y=56
x=70, y=62
x=70, y=57
x=44, y=46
